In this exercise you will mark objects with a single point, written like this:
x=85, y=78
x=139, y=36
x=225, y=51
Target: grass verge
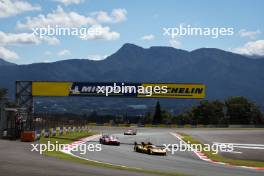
x=219, y=158
x=69, y=138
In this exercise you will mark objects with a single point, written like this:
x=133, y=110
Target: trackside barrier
x=42, y=132
x=241, y=126
x=30, y=136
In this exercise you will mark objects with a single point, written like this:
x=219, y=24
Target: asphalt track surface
x=17, y=159
x=250, y=137
x=183, y=162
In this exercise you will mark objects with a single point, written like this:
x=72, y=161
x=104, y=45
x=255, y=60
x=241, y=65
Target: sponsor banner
x=104, y=89
x=51, y=88
x=112, y=89
x=175, y=90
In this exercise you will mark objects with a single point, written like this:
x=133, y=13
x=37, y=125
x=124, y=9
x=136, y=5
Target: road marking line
x=211, y=161
x=254, y=148
x=231, y=152
x=246, y=146
x=83, y=140
x=238, y=144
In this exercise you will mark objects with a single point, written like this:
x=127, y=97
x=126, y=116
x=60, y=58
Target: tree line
x=232, y=111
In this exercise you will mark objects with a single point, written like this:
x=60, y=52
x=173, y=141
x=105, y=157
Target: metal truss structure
x=24, y=99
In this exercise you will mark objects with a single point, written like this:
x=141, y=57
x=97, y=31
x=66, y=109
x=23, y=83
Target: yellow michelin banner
x=51, y=88
x=140, y=90
x=178, y=90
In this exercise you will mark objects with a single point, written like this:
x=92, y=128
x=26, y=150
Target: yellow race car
x=149, y=149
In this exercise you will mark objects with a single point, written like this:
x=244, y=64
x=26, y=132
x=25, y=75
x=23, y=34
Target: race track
x=17, y=159
x=182, y=162
x=252, y=138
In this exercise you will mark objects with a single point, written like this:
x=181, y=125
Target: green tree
x=3, y=93
x=148, y=118
x=181, y=119
x=241, y=111
x=166, y=117
x=207, y=113
x=157, y=118
x=10, y=104
x=256, y=115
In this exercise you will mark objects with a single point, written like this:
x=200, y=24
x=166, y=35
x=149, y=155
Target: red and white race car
x=109, y=140
x=130, y=132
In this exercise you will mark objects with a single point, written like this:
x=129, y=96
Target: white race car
x=130, y=132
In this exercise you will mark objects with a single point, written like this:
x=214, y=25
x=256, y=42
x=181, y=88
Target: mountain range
x=5, y=63
x=224, y=73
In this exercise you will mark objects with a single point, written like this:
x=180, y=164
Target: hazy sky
x=141, y=22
